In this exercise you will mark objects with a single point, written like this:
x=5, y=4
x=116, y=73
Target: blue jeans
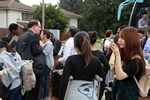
x=15, y=94
x=45, y=83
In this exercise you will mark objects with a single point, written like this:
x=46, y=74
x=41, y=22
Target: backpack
x=27, y=76
x=144, y=82
x=57, y=45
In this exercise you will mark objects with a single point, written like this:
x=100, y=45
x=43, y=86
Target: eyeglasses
x=39, y=26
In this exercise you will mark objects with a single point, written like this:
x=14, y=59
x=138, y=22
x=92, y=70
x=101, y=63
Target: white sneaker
x=47, y=98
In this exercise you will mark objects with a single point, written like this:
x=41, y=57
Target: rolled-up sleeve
x=66, y=52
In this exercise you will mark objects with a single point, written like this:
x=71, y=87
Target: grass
x=97, y=44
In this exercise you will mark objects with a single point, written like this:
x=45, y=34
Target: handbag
x=39, y=65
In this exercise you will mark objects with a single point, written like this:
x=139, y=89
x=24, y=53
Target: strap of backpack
x=138, y=84
x=109, y=40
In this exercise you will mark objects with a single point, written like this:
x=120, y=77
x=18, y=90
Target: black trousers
x=35, y=93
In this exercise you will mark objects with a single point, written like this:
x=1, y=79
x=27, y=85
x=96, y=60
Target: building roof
x=11, y=4
x=70, y=14
x=23, y=24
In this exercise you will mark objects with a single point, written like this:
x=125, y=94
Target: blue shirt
x=146, y=49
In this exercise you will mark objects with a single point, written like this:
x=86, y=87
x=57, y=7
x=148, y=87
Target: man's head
x=35, y=26
x=14, y=29
x=141, y=33
x=144, y=14
x=71, y=31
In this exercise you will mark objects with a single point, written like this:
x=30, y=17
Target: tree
x=100, y=15
x=7, y=0
x=75, y=6
x=54, y=17
x=72, y=5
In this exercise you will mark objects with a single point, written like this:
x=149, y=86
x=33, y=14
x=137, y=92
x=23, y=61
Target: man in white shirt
x=69, y=46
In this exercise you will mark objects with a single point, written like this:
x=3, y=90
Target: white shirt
x=107, y=42
x=68, y=50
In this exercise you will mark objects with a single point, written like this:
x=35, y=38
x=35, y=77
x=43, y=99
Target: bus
x=137, y=11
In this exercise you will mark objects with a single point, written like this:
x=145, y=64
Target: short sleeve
x=5, y=39
x=107, y=42
x=131, y=68
x=139, y=24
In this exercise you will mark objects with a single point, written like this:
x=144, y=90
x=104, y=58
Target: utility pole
x=43, y=5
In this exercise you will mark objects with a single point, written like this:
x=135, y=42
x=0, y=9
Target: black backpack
x=57, y=45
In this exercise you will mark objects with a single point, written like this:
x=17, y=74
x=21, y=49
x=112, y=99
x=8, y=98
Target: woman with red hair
x=129, y=63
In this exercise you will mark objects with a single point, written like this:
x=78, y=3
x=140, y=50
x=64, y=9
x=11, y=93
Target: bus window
x=137, y=11
x=139, y=15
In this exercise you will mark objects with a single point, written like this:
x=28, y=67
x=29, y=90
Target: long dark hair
x=132, y=47
x=48, y=34
x=5, y=45
x=82, y=41
x=108, y=34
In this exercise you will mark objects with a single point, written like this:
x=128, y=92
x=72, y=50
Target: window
x=26, y=16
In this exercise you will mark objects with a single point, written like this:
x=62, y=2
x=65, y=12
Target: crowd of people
x=120, y=61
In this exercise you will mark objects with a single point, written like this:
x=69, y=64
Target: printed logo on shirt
x=87, y=90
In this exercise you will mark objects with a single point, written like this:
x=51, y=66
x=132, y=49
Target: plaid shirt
x=124, y=90
x=143, y=22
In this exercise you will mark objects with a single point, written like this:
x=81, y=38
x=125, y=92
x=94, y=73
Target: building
x=13, y=12
x=73, y=18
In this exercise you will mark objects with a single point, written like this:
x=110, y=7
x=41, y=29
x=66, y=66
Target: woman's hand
x=115, y=49
x=42, y=44
x=113, y=78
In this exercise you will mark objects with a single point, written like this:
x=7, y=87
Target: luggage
x=108, y=93
x=59, y=66
x=56, y=80
x=71, y=89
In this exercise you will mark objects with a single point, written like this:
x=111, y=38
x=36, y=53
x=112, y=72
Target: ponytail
x=48, y=34
x=82, y=42
x=86, y=51
x=52, y=37
x=104, y=40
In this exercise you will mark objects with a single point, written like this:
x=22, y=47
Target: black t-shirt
x=131, y=69
x=75, y=66
x=102, y=58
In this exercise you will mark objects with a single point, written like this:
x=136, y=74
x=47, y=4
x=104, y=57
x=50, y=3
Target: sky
x=32, y=2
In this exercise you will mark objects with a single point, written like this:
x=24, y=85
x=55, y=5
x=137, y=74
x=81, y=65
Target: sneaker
x=47, y=98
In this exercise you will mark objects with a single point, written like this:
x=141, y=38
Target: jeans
x=45, y=83
x=15, y=94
